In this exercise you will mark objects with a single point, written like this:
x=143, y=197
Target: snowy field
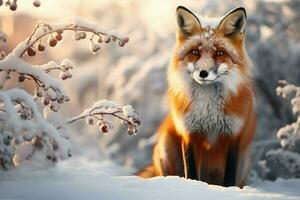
x=84, y=179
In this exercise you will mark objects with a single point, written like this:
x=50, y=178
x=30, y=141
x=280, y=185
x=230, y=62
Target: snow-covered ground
x=79, y=178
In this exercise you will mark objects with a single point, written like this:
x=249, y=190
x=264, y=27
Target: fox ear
x=234, y=23
x=187, y=22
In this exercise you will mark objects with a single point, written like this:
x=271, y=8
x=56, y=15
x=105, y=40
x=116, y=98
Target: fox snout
x=204, y=76
x=204, y=71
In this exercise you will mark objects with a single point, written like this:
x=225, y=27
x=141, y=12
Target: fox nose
x=203, y=73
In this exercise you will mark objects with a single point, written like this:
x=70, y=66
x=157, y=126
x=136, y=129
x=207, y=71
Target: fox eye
x=220, y=53
x=195, y=52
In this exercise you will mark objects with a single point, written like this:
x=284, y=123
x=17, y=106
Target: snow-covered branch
x=47, y=87
x=23, y=130
x=104, y=108
x=54, y=32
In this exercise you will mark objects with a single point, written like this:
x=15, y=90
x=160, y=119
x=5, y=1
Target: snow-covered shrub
x=284, y=161
x=27, y=135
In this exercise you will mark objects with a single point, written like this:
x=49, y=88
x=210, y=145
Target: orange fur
x=209, y=158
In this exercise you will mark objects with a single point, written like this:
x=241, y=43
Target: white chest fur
x=206, y=115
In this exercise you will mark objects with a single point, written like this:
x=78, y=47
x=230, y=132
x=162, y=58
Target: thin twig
x=81, y=117
x=67, y=28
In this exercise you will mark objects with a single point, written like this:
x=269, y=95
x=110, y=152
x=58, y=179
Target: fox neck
x=199, y=109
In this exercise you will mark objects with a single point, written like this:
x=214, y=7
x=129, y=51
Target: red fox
x=207, y=134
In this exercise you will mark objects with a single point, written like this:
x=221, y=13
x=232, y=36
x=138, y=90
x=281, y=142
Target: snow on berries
x=94, y=47
x=52, y=42
x=23, y=152
x=100, y=112
x=54, y=106
x=65, y=75
x=76, y=36
x=31, y=51
x=67, y=64
x=79, y=36
x=41, y=47
x=58, y=37
x=103, y=128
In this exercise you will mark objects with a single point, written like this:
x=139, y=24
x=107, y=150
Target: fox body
x=206, y=135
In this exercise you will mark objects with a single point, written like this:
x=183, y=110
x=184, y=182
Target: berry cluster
x=55, y=35
x=99, y=113
x=95, y=46
x=52, y=42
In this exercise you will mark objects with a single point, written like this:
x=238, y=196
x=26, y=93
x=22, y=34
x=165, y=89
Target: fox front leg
x=189, y=161
x=231, y=165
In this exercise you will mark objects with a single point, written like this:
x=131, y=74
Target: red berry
x=13, y=7
x=58, y=37
x=103, y=128
x=30, y=51
x=37, y=3
x=52, y=42
x=46, y=101
x=41, y=47
x=126, y=39
x=21, y=78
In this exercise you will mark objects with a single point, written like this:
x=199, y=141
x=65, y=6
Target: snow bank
x=84, y=179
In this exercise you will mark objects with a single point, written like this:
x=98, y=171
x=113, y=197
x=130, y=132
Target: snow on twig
x=103, y=108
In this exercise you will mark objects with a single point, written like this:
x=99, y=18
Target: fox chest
x=207, y=115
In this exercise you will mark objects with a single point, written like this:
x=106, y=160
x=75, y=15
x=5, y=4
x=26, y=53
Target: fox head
x=210, y=51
